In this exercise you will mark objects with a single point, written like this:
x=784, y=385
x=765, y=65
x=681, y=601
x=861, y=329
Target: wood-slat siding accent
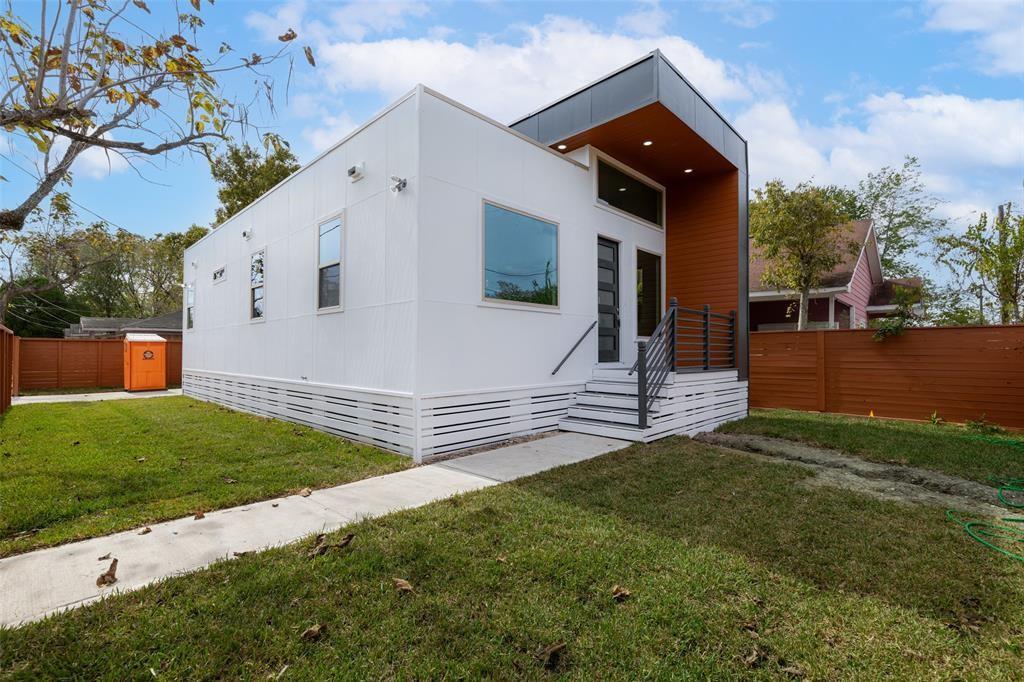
x=82, y=363
x=7, y=355
x=960, y=373
x=702, y=245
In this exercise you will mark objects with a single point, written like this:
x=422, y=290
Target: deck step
x=601, y=428
x=595, y=399
x=619, y=387
x=616, y=415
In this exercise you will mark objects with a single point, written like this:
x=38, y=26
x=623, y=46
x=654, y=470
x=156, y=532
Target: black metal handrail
x=686, y=339
x=574, y=347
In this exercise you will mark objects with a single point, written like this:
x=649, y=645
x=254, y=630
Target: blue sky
x=827, y=91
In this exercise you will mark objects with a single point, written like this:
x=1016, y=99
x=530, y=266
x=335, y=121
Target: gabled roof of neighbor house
x=104, y=324
x=168, y=322
x=862, y=233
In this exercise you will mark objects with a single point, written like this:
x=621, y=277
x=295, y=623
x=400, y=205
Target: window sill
x=330, y=311
x=628, y=216
x=522, y=307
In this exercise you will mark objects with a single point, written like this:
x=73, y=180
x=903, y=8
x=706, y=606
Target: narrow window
x=256, y=285
x=648, y=292
x=329, y=264
x=626, y=193
x=190, y=306
x=520, y=257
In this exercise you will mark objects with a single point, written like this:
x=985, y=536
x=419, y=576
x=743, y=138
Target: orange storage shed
x=145, y=362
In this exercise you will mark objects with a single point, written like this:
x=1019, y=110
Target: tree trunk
x=801, y=320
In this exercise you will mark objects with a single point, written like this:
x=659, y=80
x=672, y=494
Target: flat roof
x=650, y=79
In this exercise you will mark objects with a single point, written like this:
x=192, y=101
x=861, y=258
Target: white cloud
x=998, y=27
x=742, y=13
x=332, y=129
x=971, y=150
x=98, y=163
x=649, y=20
x=506, y=79
x=351, y=21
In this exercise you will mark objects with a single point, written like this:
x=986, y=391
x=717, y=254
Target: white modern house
x=437, y=280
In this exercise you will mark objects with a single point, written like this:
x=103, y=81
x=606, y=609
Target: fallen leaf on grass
x=402, y=585
x=109, y=576
x=620, y=593
x=313, y=632
x=145, y=531
x=793, y=671
x=754, y=658
x=305, y=492
x=501, y=558
x=199, y=515
x=140, y=460
x=105, y=557
x=77, y=442
x=245, y=553
x=230, y=480
x=272, y=676
x=551, y=655
x=320, y=546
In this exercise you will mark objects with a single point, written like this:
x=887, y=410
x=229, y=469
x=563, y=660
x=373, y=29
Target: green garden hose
x=982, y=531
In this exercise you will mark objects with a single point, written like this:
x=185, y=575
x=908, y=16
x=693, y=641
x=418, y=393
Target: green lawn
x=948, y=448
x=75, y=470
x=734, y=568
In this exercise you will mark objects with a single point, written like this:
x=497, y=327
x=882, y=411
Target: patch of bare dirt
x=891, y=482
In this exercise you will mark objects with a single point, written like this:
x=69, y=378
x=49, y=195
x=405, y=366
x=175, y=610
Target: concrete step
x=589, y=399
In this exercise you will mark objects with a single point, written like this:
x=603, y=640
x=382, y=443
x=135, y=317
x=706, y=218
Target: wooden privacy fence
x=81, y=363
x=7, y=354
x=959, y=373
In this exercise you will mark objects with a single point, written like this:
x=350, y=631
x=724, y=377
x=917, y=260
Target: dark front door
x=607, y=301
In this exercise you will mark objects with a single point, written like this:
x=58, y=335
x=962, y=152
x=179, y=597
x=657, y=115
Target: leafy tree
x=46, y=314
x=902, y=211
x=989, y=258
x=87, y=76
x=802, y=234
x=952, y=306
x=244, y=174
x=53, y=253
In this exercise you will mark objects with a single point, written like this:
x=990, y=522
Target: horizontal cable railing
x=685, y=340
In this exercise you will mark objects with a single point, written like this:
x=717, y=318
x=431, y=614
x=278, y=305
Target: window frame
x=342, y=237
x=662, y=280
x=190, y=316
x=251, y=286
x=599, y=157
x=504, y=303
x=222, y=269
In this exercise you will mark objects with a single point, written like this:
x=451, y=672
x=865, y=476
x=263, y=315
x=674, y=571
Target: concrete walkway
x=46, y=581
x=91, y=397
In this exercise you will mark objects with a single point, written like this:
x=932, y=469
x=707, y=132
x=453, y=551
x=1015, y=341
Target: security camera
x=357, y=171
x=397, y=184
x=246, y=234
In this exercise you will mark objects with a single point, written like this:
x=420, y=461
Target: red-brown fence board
x=7, y=357
x=81, y=363
x=958, y=373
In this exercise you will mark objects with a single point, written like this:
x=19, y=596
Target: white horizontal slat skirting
x=453, y=422
x=384, y=419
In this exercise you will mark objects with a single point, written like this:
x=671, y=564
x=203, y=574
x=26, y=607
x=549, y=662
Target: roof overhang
x=648, y=100
x=785, y=294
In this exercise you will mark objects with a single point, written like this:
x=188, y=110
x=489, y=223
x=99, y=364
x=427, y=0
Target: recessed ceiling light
x=561, y=146
x=688, y=170
x=622, y=189
x=647, y=143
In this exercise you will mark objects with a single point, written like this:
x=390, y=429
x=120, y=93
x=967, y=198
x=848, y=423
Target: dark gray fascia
x=651, y=79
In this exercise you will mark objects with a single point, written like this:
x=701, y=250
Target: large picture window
x=520, y=257
x=623, y=191
x=329, y=264
x=256, y=285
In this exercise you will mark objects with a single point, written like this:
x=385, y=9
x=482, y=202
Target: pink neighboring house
x=854, y=293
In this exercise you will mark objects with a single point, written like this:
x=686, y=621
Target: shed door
x=147, y=365
x=607, y=301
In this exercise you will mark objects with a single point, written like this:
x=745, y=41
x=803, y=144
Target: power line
x=84, y=208
x=34, y=322
x=73, y=312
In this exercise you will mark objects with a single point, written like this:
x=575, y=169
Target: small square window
x=520, y=257
x=218, y=275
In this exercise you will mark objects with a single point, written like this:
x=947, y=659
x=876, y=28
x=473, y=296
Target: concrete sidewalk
x=91, y=397
x=46, y=581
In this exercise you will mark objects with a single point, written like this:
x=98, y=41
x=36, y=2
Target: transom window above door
x=629, y=194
